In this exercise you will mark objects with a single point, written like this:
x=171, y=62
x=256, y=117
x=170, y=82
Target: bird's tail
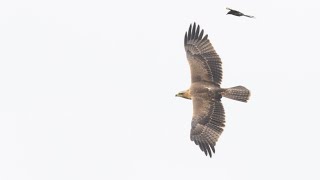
x=238, y=93
x=249, y=16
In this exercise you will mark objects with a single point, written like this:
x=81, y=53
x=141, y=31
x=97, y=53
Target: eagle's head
x=184, y=94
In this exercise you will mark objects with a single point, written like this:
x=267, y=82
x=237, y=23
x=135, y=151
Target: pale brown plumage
x=206, y=74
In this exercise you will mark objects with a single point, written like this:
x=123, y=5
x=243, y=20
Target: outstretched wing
x=205, y=63
x=207, y=123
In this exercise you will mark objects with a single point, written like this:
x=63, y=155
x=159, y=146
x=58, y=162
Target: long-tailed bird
x=237, y=13
x=205, y=92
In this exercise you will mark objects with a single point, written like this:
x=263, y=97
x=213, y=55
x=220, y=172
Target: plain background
x=87, y=90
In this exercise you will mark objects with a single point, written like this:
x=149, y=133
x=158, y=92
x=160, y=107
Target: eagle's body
x=205, y=92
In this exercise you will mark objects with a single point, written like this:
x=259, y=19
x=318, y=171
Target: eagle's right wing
x=205, y=63
x=207, y=123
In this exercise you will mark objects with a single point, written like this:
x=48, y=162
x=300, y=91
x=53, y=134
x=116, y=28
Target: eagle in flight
x=208, y=118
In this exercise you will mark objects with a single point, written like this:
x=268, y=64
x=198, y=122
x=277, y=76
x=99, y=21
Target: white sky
x=87, y=90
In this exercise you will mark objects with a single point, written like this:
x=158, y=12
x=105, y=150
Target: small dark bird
x=237, y=13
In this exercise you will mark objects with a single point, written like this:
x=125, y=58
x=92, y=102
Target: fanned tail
x=238, y=93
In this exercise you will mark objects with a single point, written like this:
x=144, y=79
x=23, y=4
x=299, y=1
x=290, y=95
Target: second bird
x=237, y=13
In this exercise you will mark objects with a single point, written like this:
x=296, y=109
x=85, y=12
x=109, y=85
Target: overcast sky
x=87, y=90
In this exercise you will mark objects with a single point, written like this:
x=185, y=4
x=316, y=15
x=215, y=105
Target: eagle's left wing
x=207, y=123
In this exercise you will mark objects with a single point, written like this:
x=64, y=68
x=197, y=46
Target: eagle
x=208, y=118
x=237, y=13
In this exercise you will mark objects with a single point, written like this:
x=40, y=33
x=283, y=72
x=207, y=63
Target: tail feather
x=238, y=93
x=249, y=16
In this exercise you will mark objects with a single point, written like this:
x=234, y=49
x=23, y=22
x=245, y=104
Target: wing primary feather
x=208, y=148
x=196, y=142
x=200, y=145
x=189, y=32
x=205, y=37
x=204, y=148
x=201, y=34
x=197, y=32
x=193, y=31
x=185, y=39
x=212, y=147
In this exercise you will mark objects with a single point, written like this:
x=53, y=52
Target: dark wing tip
x=189, y=32
x=212, y=148
x=197, y=32
x=201, y=34
x=207, y=148
x=205, y=37
x=194, y=33
x=185, y=38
